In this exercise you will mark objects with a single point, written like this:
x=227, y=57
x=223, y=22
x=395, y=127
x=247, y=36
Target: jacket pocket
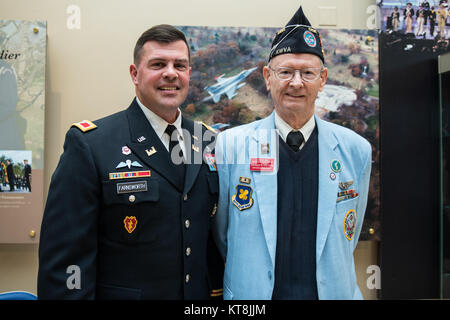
x=108, y=292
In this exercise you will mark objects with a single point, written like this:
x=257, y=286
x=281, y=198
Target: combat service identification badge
x=243, y=197
x=130, y=223
x=350, y=224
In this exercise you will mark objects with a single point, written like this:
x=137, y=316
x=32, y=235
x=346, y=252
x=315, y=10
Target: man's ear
x=266, y=75
x=323, y=78
x=133, y=73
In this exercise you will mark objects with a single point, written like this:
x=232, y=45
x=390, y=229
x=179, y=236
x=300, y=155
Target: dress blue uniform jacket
x=147, y=243
x=247, y=235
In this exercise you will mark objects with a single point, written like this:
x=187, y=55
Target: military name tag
x=262, y=164
x=127, y=187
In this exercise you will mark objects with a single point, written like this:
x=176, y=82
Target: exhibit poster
x=416, y=25
x=227, y=87
x=22, y=115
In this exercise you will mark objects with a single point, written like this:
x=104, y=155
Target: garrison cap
x=297, y=37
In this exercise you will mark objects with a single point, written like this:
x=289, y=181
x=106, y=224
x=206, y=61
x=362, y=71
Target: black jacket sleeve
x=68, y=242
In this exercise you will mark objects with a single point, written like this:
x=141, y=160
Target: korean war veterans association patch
x=309, y=39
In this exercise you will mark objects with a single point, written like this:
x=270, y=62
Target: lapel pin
x=245, y=180
x=150, y=152
x=126, y=151
x=333, y=176
x=141, y=138
x=336, y=166
x=345, y=185
x=265, y=149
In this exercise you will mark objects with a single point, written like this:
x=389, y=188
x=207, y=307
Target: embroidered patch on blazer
x=130, y=223
x=350, y=224
x=243, y=197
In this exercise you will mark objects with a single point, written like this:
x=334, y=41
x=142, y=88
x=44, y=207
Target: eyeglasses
x=287, y=74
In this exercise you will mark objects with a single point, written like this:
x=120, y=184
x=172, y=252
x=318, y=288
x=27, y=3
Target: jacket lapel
x=193, y=141
x=148, y=146
x=327, y=186
x=266, y=182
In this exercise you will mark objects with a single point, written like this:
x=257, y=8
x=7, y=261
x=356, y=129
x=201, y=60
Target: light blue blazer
x=247, y=236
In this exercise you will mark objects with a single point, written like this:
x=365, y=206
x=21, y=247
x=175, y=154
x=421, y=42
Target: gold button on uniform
x=187, y=223
x=132, y=198
x=188, y=251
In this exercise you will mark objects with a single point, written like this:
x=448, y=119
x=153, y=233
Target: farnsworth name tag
x=136, y=186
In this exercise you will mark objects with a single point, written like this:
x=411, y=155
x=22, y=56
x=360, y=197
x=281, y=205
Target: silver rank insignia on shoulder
x=345, y=185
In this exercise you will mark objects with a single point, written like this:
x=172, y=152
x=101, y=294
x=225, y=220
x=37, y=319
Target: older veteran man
x=293, y=188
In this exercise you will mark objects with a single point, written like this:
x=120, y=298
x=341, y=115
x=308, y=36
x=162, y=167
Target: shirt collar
x=284, y=128
x=159, y=124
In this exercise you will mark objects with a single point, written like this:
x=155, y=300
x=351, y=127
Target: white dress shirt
x=284, y=128
x=159, y=125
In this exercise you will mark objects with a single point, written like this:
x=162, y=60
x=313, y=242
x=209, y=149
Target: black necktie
x=294, y=140
x=173, y=142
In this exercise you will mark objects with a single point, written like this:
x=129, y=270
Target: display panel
x=227, y=87
x=22, y=115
